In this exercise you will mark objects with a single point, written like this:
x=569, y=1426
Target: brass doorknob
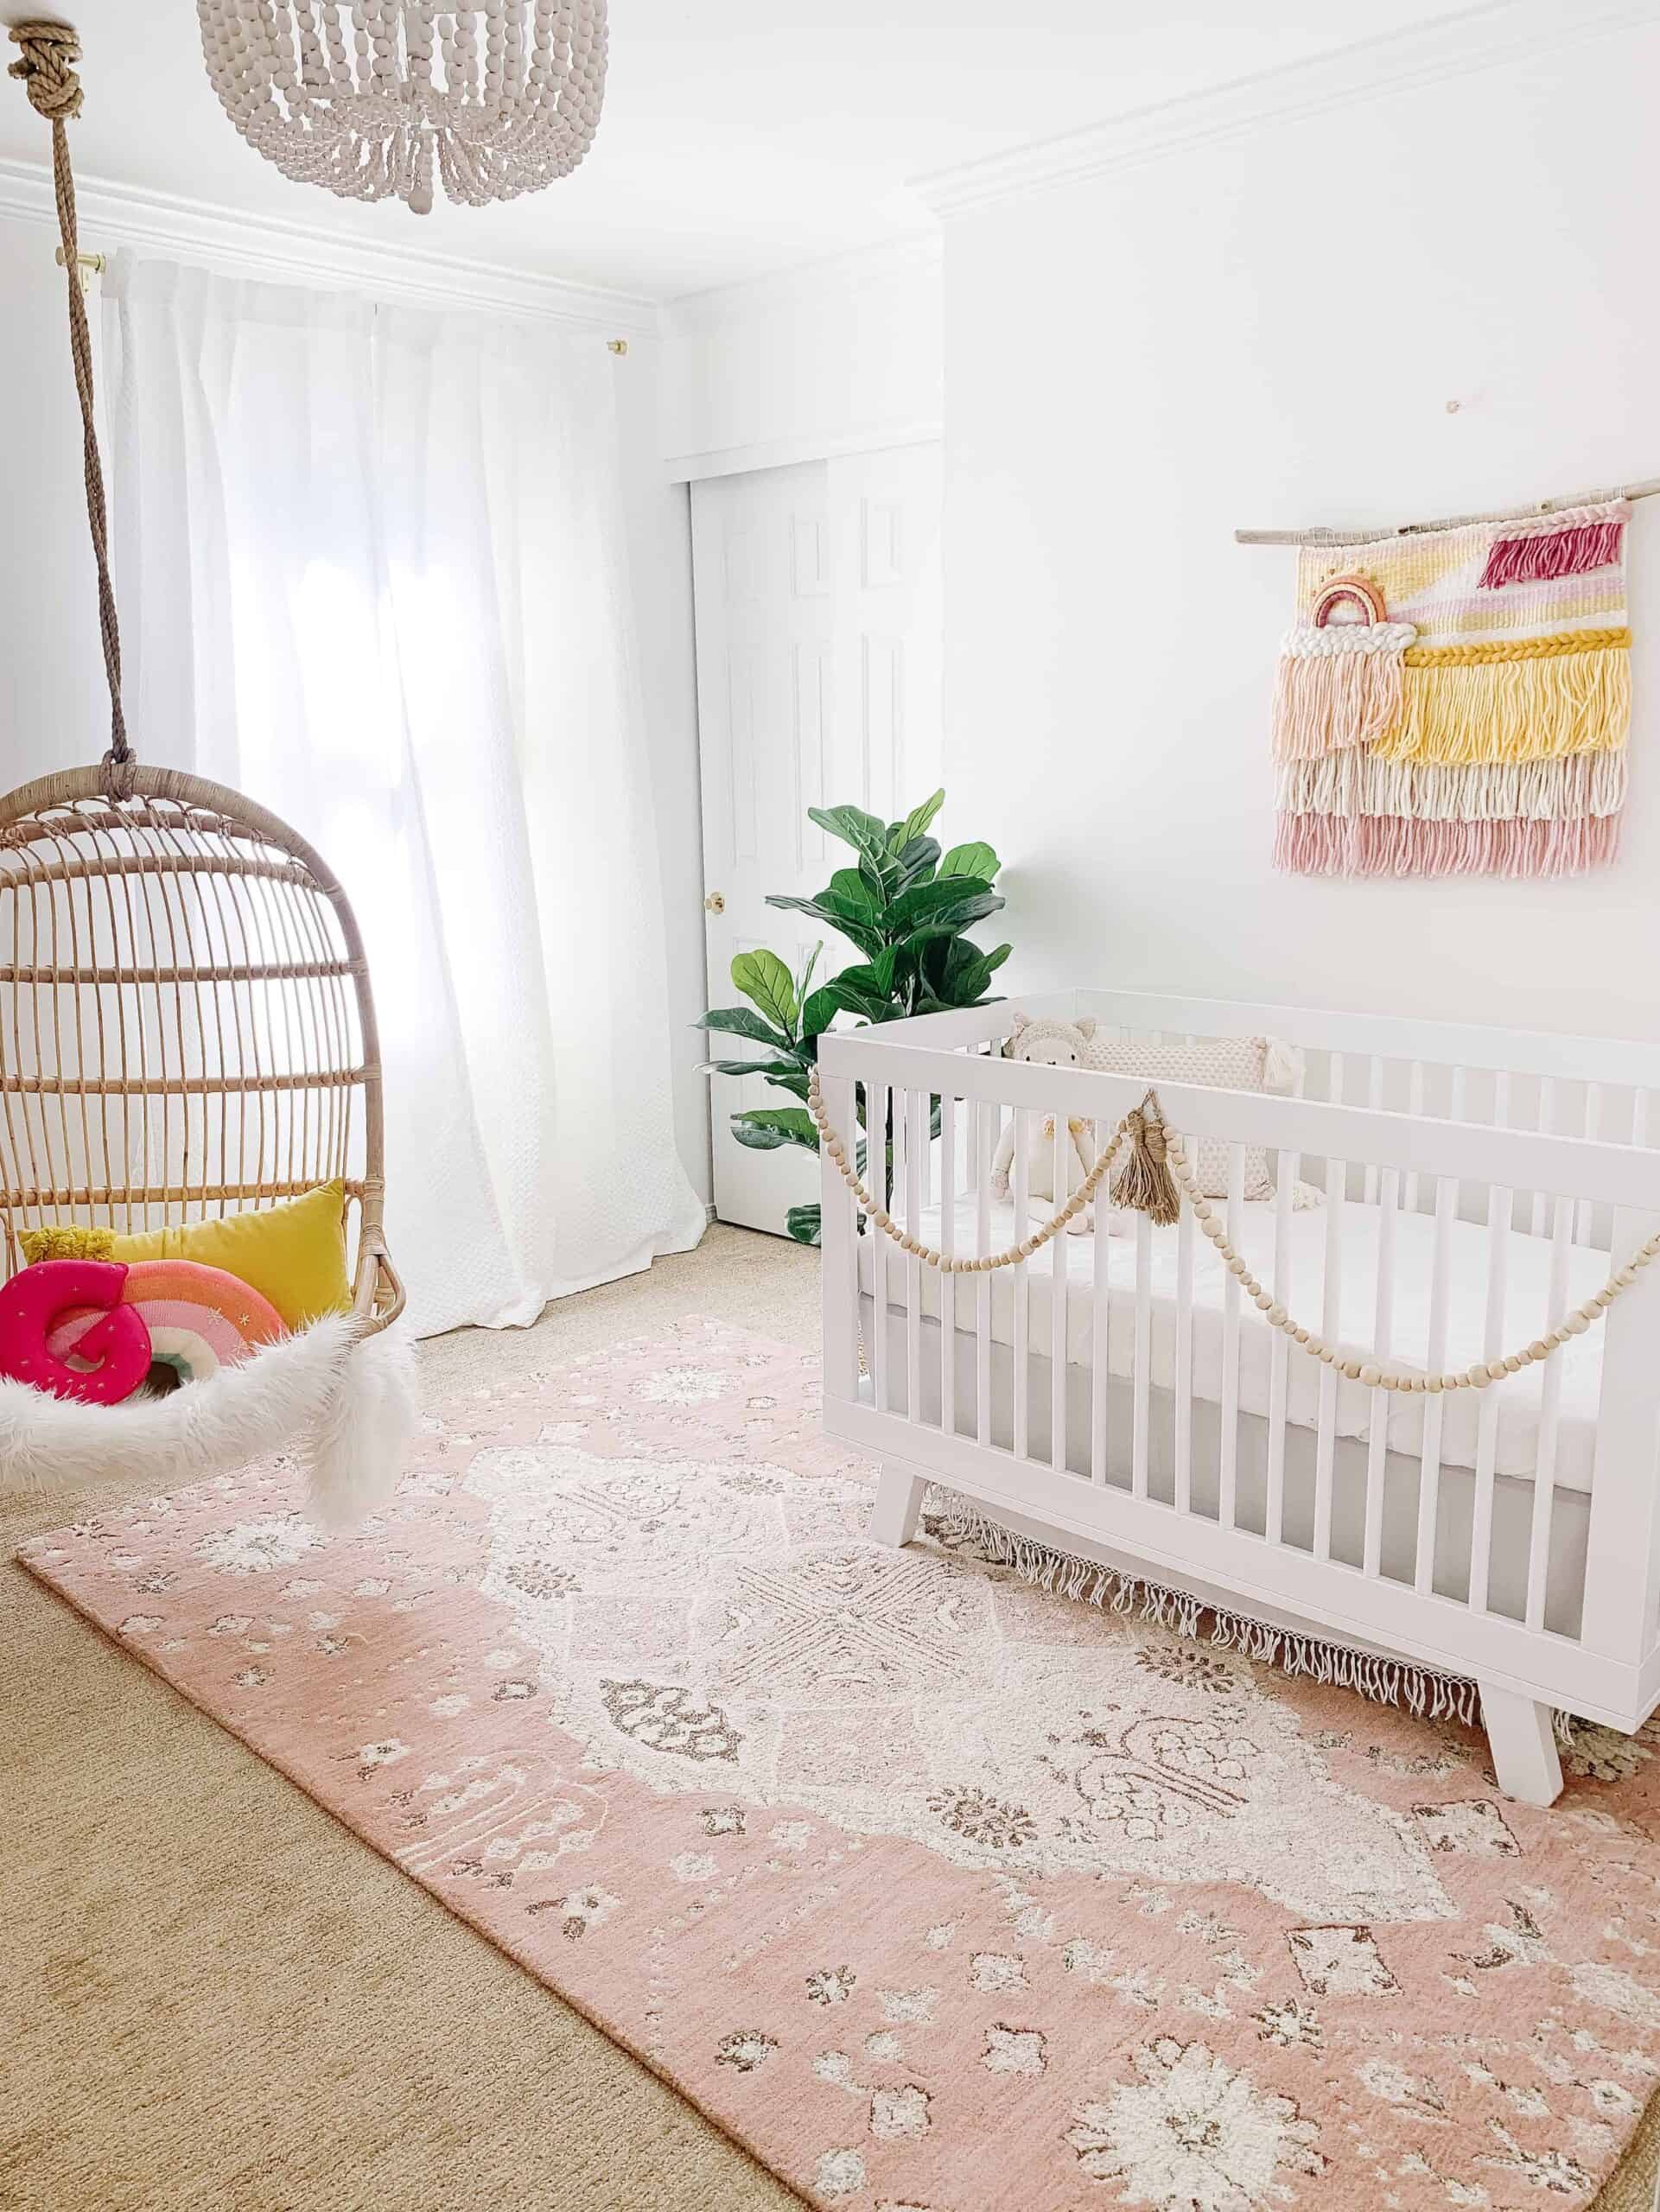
x=716, y=903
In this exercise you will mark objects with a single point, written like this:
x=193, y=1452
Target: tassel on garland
x=1471, y=703
x=1144, y=1181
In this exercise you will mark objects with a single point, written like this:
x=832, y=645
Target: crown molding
x=785, y=453
x=289, y=253
x=1483, y=38
x=847, y=275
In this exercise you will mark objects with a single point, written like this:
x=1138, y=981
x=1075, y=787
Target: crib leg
x=898, y=1509
x=1521, y=1737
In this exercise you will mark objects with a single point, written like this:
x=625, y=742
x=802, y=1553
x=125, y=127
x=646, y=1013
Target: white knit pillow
x=1217, y=1064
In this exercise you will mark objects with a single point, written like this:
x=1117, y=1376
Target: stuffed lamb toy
x=1056, y=1045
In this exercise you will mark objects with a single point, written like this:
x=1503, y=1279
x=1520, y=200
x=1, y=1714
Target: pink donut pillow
x=114, y=1341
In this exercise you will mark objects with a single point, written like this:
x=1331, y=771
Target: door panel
x=818, y=604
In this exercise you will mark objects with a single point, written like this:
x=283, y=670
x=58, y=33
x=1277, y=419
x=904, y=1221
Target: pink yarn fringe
x=1388, y=844
x=1331, y=701
x=1537, y=558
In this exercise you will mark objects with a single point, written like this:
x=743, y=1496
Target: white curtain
x=372, y=572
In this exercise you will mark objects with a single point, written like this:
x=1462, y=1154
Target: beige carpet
x=212, y=1996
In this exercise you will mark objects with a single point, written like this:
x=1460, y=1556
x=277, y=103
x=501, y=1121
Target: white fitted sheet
x=1517, y=1406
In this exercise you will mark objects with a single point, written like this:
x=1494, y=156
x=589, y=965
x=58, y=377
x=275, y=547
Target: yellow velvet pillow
x=294, y=1254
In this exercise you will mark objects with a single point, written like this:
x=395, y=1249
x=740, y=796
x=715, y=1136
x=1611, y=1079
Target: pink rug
x=940, y=1894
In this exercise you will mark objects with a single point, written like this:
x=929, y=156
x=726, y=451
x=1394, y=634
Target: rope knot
x=46, y=68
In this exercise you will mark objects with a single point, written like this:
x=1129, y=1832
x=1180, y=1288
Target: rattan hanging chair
x=186, y=1030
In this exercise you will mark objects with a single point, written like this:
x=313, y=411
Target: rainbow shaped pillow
x=200, y=1319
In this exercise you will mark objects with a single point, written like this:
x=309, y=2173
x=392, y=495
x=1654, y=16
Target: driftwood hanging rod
x=1646, y=490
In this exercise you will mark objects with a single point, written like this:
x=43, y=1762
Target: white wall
x=53, y=711
x=837, y=357
x=1267, y=332
x=660, y=543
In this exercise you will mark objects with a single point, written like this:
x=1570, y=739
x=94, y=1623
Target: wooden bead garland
x=1370, y=1375
x=1374, y=1377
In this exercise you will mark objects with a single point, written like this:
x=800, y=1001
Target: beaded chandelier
x=366, y=96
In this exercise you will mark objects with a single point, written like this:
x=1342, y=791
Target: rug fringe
x=1421, y=1690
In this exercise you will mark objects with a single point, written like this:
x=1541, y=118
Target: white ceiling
x=739, y=135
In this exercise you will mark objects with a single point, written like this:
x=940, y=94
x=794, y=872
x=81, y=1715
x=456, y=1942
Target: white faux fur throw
x=347, y=1405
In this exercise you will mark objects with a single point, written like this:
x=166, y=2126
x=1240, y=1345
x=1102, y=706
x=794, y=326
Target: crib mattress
x=1549, y=1409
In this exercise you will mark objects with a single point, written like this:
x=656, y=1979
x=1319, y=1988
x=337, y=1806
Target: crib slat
x=985, y=1133
x=1546, y=1115
x=1550, y=1403
x=1021, y=1185
x=1331, y=1324
x=1143, y=1352
x=1100, y=1321
x=1374, y=1100
x=1228, y=1471
x=1487, y=1412
x=1389, y=1197
x=916, y=1162
x=840, y=1261
x=1061, y=1182
x=947, y=1281
x=1415, y=1108
x=877, y=1179
x=1331, y=1330
x=1285, y=1171
x=1429, y=1466
x=1592, y=1128
x=1184, y=1422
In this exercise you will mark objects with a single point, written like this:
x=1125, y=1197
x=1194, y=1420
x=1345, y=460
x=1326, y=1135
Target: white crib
x=1118, y=1398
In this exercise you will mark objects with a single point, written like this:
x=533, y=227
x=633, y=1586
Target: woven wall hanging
x=1457, y=702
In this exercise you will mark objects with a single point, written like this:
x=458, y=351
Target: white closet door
x=818, y=604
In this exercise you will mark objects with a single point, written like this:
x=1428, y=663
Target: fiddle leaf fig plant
x=904, y=906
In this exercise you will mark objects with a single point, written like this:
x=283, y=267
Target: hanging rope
x=1158, y=1156
x=46, y=69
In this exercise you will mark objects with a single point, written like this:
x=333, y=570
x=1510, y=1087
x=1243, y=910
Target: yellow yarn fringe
x=1533, y=709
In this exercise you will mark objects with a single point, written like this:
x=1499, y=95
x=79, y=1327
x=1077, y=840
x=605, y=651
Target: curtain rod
x=1646, y=490
x=92, y=264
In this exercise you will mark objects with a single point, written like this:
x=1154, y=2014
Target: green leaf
x=818, y=1012
x=880, y=873
x=852, y=825
x=847, y=883
x=739, y=1022
x=854, y=922
x=806, y=975
x=932, y=902
x=920, y=817
x=761, y=975
x=803, y=1224
x=917, y=861
x=843, y=997
x=875, y=977
x=765, y=1127
x=976, y=859
x=743, y=1067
